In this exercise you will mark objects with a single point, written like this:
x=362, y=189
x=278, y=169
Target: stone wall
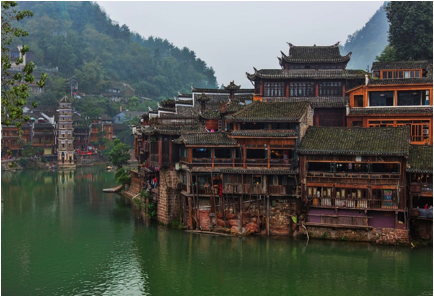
x=168, y=200
x=376, y=235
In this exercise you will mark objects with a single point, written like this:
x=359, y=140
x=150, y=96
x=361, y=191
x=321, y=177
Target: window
x=407, y=98
x=202, y=153
x=253, y=126
x=400, y=73
x=274, y=89
x=357, y=124
x=282, y=126
x=256, y=154
x=223, y=153
x=381, y=99
x=301, y=89
x=358, y=100
x=330, y=88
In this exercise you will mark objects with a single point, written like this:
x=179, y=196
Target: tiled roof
x=207, y=138
x=120, y=127
x=234, y=107
x=400, y=65
x=271, y=111
x=215, y=91
x=356, y=141
x=232, y=86
x=203, y=98
x=265, y=133
x=257, y=171
x=172, y=130
x=306, y=74
x=425, y=110
x=186, y=102
x=310, y=54
x=210, y=114
x=316, y=102
x=184, y=95
x=168, y=103
x=420, y=159
x=43, y=125
x=401, y=81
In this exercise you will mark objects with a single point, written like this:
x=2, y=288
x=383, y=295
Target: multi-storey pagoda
x=316, y=74
x=65, y=148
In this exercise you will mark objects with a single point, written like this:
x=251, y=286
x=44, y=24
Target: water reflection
x=61, y=235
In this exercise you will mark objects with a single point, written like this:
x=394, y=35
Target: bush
x=122, y=176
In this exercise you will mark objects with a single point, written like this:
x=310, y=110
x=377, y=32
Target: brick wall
x=168, y=201
x=377, y=235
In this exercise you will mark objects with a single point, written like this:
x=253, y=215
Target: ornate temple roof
x=232, y=86
x=313, y=54
x=401, y=65
x=207, y=138
x=395, y=110
x=356, y=141
x=271, y=112
x=420, y=159
x=306, y=74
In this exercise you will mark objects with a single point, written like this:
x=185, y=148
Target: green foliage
x=122, y=176
x=120, y=154
x=15, y=83
x=29, y=151
x=411, y=30
x=151, y=210
x=388, y=55
x=177, y=224
x=82, y=41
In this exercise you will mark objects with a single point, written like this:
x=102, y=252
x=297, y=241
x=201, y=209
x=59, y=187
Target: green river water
x=61, y=235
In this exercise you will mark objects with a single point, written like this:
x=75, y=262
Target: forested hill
x=82, y=41
x=368, y=42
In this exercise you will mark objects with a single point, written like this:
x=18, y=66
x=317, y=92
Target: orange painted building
x=398, y=94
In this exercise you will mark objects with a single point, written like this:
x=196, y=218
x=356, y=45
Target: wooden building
x=44, y=136
x=420, y=181
x=355, y=179
x=316, y=74
x=11, y=142
x=398, y=94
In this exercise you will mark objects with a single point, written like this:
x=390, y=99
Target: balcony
x=371, y=178
x=352, y=203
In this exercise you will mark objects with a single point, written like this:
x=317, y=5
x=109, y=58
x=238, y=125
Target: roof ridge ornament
x=336, y=44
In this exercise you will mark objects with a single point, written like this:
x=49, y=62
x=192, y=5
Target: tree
x=410, y=31
x=120, y=154
x=15, y=86
x=388, y=55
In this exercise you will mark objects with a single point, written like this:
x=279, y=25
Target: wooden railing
x=352, y=203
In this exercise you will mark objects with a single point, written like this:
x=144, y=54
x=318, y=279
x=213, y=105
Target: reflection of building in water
x=65, y=192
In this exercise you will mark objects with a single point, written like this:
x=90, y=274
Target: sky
x=233, y=37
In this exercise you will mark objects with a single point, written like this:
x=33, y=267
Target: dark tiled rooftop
x=306, y=74
x=401, y=81
x=420, y=159
x=400, y=65
x=265, y=133
x=306, y=54
x=257, y=171
x=271, y=111
x=356, y=141
x=316, y=102
x=425, y=110
x=210, y=114
x=172, y=130
x=207, y=138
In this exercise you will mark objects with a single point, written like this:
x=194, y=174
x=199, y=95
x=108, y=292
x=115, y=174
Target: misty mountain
x=368, y=42
x=82, y=41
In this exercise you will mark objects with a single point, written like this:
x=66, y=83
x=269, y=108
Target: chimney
x=366, y=79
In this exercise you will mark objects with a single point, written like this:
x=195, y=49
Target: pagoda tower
x=65, y=148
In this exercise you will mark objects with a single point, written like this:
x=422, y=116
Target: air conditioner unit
x=425, y=131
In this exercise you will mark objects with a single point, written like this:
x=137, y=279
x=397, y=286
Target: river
x=61, y=235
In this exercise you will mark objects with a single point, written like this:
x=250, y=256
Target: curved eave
x=357, y=153
x=411, y=170
x=343, y=59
